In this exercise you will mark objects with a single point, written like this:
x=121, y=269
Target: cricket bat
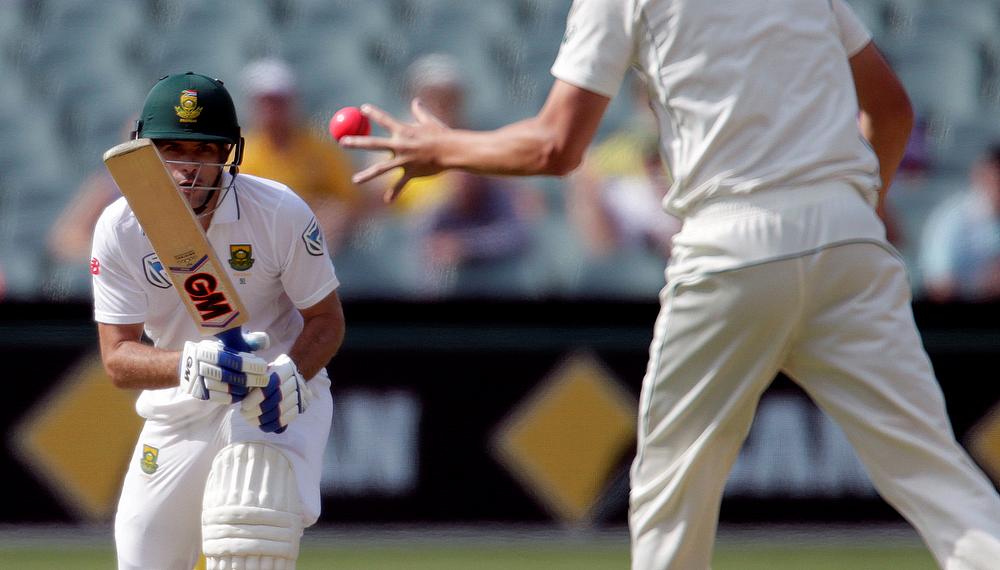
x=179, y=241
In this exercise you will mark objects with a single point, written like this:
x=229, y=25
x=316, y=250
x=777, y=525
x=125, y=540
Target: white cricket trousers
x=837, y=320
x=158, y=523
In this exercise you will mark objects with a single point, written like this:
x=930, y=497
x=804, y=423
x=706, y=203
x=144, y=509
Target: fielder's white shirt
x=746, y=92
x=289, y=270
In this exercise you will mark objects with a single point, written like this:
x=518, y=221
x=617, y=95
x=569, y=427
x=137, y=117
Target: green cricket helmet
x=190, y=107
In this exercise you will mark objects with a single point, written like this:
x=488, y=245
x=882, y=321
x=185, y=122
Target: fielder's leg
x=718, y=343
x=863, y=363
x=252, y=512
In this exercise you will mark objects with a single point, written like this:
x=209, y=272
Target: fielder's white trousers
x=837, y=320
x=158, y=523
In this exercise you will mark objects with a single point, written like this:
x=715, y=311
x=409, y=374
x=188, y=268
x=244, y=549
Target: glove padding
x=286, y=395
x=210, y=371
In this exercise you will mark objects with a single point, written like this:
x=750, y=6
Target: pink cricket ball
x=349, y=122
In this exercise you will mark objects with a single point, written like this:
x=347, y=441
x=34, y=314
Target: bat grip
x=233, y=340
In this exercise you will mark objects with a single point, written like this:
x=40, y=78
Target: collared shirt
x=271, y=247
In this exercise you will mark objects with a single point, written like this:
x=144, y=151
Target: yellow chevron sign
x=565, y=440
x=983, y=441
x=79, y=438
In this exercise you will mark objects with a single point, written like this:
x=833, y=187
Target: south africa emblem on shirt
x=240, y=256
x=148, y=461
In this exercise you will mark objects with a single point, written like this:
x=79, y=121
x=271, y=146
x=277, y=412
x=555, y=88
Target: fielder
x=210, y=470
x=782, y=262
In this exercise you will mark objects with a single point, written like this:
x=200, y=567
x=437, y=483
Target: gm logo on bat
x=211, y=304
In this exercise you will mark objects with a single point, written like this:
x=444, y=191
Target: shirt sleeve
x=118, y=299
x=598, y=45
x=853, y=34
x=307, y=273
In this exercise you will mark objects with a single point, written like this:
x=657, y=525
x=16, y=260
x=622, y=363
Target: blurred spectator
x=468, y=237
x=615, y=207
x=472, y=232
x=280, y=146
x=616, y=200
x=436, y=79
x=68, y=240
x=960, y=254
x=624, y=211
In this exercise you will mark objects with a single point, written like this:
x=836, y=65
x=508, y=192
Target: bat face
x=176, y=236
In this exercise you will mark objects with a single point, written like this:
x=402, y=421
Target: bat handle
x=233, y=340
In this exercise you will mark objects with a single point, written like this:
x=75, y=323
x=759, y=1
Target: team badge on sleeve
x=149, y=456
x=240, y=256
x=155, y=273
x=313, y=238
x=95, y=266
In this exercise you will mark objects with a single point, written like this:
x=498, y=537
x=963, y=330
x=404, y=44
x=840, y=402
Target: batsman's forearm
x=136, y=366
x=319, y=340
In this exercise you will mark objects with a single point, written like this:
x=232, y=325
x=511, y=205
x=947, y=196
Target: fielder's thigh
x=719, y=341
x=861, y=359
x=157, y=522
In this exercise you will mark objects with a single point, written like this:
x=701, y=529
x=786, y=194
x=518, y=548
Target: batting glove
x=286, y=395
x=210, y=371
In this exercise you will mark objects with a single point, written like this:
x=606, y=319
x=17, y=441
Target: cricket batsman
x=218, y=467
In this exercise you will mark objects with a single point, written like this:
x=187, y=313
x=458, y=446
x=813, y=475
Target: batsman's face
x=196, y=167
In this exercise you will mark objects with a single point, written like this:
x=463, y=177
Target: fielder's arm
x=552, y=142
x=886, y=114
x=133, y=365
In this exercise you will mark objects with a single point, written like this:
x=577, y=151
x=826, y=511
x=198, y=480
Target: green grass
x=540, y=557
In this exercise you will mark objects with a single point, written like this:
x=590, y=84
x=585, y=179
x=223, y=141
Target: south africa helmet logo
x=240, y=256
x=188, y=110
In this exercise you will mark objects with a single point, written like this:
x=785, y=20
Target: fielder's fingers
x=423, y=114
x=393, y=193
x=384, y=119
x=377, y=169
x=367, y=143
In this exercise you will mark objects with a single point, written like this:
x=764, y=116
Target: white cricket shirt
x=749, y=95
x=268, y=241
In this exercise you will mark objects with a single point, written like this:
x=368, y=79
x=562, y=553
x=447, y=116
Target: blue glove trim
x=233, y=378
x=270, y=416
x=230, y=360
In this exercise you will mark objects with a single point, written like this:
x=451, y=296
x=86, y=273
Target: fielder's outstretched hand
x=413, y=146
x=210, y=371
x=285, y=396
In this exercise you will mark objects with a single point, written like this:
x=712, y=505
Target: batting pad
x=251, y=514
